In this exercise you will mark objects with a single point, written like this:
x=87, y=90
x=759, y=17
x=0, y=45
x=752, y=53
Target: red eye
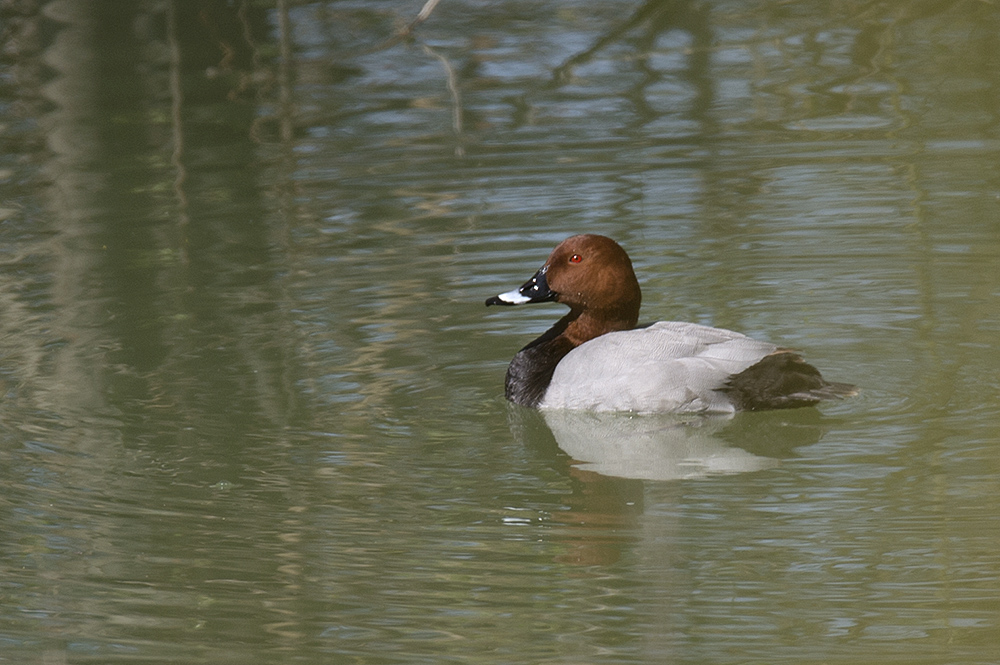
x=576, y=258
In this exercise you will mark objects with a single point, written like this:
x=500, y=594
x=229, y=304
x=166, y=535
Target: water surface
x=252, y=402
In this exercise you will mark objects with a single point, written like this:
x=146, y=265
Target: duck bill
x=535, y=289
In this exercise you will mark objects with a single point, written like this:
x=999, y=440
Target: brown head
x=593, y=276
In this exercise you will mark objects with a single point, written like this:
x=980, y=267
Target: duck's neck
x=530, y=372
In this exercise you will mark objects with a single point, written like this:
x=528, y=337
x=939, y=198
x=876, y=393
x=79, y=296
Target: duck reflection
x=669, y=447
x=610, y=459
x=650, y=447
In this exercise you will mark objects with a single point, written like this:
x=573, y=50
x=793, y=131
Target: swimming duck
x=596, y=359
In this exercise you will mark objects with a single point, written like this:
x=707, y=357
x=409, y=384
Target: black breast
x=530, y=372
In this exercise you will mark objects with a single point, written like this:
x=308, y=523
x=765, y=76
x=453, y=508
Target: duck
x=596, y=358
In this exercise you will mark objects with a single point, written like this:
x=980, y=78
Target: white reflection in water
x=650, y=447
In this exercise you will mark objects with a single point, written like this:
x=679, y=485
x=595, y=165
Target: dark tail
x=782, y=380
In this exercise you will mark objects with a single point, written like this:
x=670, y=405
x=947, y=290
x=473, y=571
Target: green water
x=252, y=402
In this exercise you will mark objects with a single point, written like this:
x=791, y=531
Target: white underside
x=669, y=367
